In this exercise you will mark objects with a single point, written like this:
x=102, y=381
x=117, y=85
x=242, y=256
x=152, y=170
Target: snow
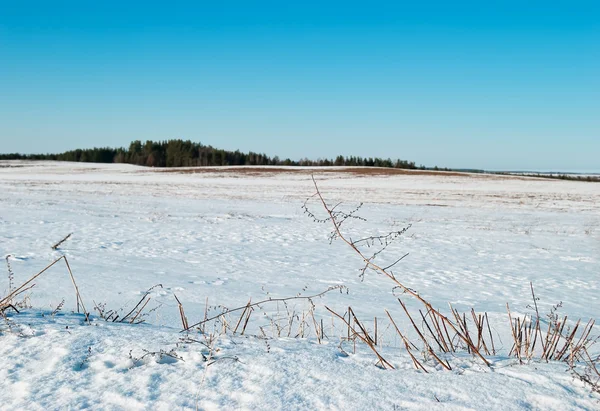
x=295, y=374
x=230, y=235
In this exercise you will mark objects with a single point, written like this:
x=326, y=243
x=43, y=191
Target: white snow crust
x=234, y=234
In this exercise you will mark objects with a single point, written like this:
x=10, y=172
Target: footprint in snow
x=219, y=281
x=114, y=245
x=174, y=288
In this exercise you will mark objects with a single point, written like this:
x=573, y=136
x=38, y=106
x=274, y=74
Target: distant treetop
x=185, y=153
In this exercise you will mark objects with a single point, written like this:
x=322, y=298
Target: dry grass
x=440, y=334
x=9, y=300
x=353, y=171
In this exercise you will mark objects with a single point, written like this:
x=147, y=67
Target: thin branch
x=407, y=290
x=55, y=246
x=245, y=307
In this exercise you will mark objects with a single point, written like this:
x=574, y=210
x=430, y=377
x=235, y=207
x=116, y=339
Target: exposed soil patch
x=356, y=171
x=239, y=171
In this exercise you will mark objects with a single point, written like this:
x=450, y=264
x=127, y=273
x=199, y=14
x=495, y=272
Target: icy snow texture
x=475, y=241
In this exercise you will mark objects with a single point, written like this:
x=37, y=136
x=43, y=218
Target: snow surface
x=228, y=235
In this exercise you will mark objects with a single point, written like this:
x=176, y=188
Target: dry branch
x=364, y=338
x=55, y=246
x=23, y=287
x=181, y=313
x=416, y=362
x=369, y=263
x=269, y=300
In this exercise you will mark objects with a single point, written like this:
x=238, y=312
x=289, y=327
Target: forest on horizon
x=185, y=153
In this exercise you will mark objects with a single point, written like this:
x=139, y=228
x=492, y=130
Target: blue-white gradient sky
x=481, y=84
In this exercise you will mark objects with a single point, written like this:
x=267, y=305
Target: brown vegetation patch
x=355, y=171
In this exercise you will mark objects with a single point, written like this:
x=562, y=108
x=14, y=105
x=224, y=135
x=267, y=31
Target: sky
x=491, y=85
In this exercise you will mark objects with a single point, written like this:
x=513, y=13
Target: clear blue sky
x=496, y=85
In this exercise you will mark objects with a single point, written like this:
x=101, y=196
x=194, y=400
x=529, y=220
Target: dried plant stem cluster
x=336, y=221
x=274, y=318
x=134, y=316
x=7, y=302
x=441, y=334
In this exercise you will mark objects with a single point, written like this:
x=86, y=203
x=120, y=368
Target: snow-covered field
x=229, y=235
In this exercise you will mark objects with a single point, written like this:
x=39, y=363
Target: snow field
x=474, y=242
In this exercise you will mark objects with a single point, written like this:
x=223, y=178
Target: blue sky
x=495, y=85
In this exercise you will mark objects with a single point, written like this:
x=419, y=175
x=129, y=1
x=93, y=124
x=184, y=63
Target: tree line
x=185, y=153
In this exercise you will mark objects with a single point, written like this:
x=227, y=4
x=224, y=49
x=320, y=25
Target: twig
x=416, y=362
x=365, y=339
x=181, y=313
x=24, y=287
x=55, y=246
x=140, y=302
x=427, y=346
x=263, y=302
x=514, y=334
